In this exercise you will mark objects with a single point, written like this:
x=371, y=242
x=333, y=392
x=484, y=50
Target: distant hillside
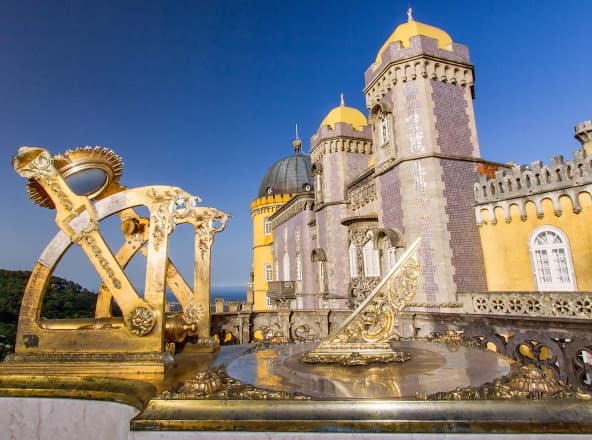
x=63, y=299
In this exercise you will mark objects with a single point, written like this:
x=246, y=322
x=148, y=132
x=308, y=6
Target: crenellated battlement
x=342, y=138
x=520, y=184
x=423, y=59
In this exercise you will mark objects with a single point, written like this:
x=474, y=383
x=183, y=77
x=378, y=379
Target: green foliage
x=63, y=299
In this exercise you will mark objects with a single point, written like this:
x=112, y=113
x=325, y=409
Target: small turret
x=583, y=133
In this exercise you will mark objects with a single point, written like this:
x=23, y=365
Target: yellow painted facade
x=261, y=209
x=508, y=263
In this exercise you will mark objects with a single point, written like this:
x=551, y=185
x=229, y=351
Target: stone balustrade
x=281, y=290
x=531, y=304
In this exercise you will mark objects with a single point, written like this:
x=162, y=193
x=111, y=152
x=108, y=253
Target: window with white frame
x=298, y=267
x=353, y=260
x=391, y=255
x=371, y=260
x=267, y=301
x=286, y=264
x=551, y=260
x=266, y=226
x=319, y=187
x=383, y=128
x=268, y=273
x=321, y=275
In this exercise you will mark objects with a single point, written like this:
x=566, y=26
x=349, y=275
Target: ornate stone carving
x=305, y=332
x=551, y=304
x=360, y=287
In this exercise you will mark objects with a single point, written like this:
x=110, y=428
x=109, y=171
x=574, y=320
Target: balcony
x=281, y=290
x=362, y=192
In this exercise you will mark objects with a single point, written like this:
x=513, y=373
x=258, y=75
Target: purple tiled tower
x=419, y=94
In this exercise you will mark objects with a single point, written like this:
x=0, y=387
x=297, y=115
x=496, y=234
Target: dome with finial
x=405, y=31
x=344, y=114
x=289, y=175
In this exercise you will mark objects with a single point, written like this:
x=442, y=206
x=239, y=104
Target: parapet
x=341, y=129
x=520, y=184
x=520, y=181
x=420, y=45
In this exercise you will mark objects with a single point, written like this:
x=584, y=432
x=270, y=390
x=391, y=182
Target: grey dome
x=290, y=175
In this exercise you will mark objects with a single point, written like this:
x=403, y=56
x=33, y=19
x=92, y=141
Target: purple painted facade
x=392, y=201
x=467, y=255
x=452, y=120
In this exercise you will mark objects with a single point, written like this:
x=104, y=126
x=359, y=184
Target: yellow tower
x=284, y=179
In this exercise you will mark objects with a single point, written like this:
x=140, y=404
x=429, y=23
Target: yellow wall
x=505, y=245
x=261, y=208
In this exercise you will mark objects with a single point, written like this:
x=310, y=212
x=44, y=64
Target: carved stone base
x=355, y=354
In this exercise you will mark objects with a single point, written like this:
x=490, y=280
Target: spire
x=297, y=144
x=342, y=100
x=410, y=14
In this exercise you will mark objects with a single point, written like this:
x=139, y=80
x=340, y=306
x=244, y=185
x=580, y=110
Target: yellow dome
x=345, y=114
x=405, y=31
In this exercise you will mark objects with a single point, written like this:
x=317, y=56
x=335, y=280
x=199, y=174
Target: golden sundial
x=82, y=185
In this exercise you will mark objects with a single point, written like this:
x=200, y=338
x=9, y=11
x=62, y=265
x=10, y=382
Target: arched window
x=267, y=226
x=353, y=260
x=551, y=260
x=298, y=267
x=321, y=276
x=319, y=187
x=383, y=129
x=371, y=260
x=268, y=273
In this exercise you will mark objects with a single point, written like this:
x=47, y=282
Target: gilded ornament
x=140, y=321
x=217, y=385
x=365, y=336
x=524, y=383
x=202, y=384
x=193, y=312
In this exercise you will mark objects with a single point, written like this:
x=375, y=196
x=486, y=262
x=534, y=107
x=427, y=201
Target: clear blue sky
x=205, y=94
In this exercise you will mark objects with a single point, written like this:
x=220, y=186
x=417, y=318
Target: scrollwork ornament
x=164, y=214
x=140, y=321
x=524, y=383
x=40, y=165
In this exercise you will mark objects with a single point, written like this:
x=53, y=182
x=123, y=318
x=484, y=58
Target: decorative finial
x=297, y=144
x=342, y=101
x=410, y=14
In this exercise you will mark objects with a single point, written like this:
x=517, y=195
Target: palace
x=328, y=226
x=505, y=251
